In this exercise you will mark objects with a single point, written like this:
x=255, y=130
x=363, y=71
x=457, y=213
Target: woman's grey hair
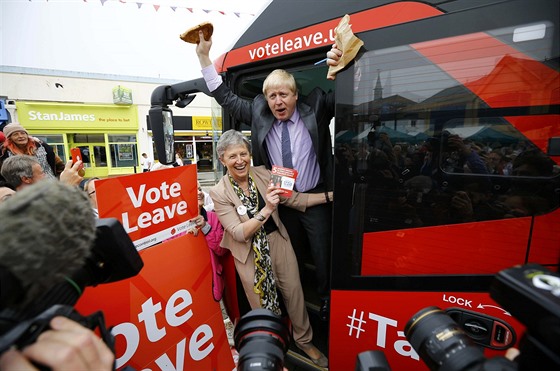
x=229, y=139
x=14, y=168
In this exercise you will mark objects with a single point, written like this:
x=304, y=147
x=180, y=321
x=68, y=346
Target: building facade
x=112, y=129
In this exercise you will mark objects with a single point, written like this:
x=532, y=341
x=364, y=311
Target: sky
x=118, y=37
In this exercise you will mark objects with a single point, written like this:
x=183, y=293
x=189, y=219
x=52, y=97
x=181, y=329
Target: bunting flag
x=156, y=7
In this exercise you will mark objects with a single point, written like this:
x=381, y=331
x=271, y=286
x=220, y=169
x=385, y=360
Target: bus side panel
x=322, y=34
x=545, y=248
x=470, y=248
x=538, y=129
x=515, y=80
x=376, y=321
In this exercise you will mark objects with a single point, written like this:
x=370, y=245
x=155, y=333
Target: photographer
x=67, y=346
x=46, y=260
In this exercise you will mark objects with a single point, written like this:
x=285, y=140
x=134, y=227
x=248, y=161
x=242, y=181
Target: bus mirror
x=161, y=119
x=184, y=100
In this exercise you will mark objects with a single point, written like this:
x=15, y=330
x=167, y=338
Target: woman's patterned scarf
x=264, y=284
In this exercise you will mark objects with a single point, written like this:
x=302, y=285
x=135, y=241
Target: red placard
x=165, y=317
x=152, y=206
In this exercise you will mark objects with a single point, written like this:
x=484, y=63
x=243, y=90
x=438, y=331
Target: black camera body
x=113, y=257
x=263, y=339
x=531, y=293
x=26, y=333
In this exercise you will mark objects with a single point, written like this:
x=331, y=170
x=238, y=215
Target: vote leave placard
x=165, y=318
x=151, y=206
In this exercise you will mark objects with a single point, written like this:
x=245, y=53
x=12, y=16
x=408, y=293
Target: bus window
x=435, y=134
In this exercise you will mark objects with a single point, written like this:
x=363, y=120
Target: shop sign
x=67, y=116
x=205, y=123
x=122, y=95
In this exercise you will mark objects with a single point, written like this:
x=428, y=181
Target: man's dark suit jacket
x=316, y=111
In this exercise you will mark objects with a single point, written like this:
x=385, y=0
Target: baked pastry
x=191, y=35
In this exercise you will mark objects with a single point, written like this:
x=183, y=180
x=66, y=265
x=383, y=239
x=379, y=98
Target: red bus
x=446, y=144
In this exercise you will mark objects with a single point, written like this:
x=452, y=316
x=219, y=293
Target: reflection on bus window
x=427, y=140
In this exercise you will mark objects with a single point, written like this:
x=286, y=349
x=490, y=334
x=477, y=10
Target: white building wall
x=46, y=86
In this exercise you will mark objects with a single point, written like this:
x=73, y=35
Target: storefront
x=105, y=133
x=195, y=139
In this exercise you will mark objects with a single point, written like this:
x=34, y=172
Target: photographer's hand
x=67, y=346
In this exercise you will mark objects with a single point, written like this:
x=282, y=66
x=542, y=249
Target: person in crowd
x=533, y=163
x=18, y=142
x=208, y=223
x=208, y=203
x=23, y=170
x=146, y=163
x=6, y=190
x=246, y=205
x=495, y=163
x=67, y=345
x=89, y=188
x=178, y=159
x=293, y=133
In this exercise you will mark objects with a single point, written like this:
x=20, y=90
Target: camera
x=262, y=339
x=112, y=257
x=531, y=293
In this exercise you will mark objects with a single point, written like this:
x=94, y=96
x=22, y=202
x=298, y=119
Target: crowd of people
x=241, y=215
x=446, y=179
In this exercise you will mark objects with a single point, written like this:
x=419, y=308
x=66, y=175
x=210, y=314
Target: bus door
x=443, y=174
x=248, y=83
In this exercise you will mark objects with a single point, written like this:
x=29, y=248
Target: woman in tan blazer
x=246, y=205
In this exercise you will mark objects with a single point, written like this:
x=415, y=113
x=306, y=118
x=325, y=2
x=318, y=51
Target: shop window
x=56, y=142
x=89, y=138
x=123, y=150
x=122, y=138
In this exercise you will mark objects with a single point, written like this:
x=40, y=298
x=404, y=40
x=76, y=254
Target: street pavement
x=208, y=179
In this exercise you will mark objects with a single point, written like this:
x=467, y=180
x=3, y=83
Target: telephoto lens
x=262, y=339
x=440, y=342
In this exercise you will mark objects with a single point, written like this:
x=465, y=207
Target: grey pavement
x=208, y=179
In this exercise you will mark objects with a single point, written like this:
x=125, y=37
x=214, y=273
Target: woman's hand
x=199, y=223
x=272, y=199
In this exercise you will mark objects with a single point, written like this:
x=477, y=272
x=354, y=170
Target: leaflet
x=285, y=178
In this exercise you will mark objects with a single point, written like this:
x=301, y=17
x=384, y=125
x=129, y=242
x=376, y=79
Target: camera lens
x=440, y=342
x=262, y=339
